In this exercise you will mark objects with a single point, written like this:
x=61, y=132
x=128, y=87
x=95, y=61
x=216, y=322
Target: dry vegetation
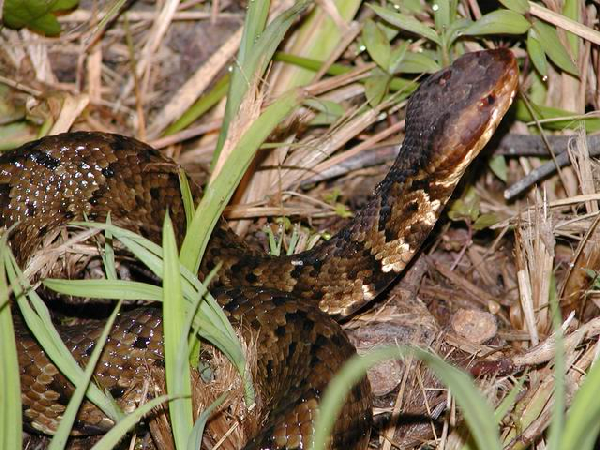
x=477, y=295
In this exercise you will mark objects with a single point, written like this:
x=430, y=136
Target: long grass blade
x=478, y=414
x=219, y=192
x=10, y=392
x=68, y=419
x=112, y=438
x=37, y=318
x=177, y=368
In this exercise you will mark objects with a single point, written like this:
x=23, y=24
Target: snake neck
x=448, y=121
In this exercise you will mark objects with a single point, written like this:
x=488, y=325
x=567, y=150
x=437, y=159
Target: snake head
x=455, y=112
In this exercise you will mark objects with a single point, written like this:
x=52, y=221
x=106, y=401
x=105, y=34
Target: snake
x=289, y=305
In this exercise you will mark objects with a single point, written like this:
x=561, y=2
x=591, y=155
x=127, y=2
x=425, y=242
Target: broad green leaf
x=418, y=63
x=485, y=221
x=406, y=22
x=518, y=6
x=455, y=30
x=396, y=56
x=536, y=53
x=441, y=14
x=35, y=14
x=376, y=87
x=501, y=21
x=555, y=50
x=377, y=44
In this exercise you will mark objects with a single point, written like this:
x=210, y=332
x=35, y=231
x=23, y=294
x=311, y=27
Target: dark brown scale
x=282, y=300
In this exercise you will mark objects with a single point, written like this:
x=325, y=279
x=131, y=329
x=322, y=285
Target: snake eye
x=489, y=100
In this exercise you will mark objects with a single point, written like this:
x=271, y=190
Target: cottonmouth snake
x=286, y=302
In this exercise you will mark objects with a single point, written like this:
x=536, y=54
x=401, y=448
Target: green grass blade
x=177, y=368
x=68, y=419
x=583, y=421
x=256, y=50
x=219, y=192
x=39, y=323
x=186, y=197
x=106, y=289
x=203, y=104
x=10, y=391
x=112, y=438
x=508, y=402
x=478, y=414
x=195, y=440
x=210, y=321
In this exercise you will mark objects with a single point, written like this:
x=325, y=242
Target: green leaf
x=501, y=21
x=518, y=6
x=465, y=208
x=377, y=44
x=376, y=87
x=499, y=167
x=485, y=221
x=35, y=14
x=105, y=289
x=195, y=440
x=186, y=197
x=555, y=50
x=37, y=318
x=418, y=63
x=329, y=111
x=536, y=53
x=571, y=10
x=441, y=14
x=397, y=56
x=455, y=30
x=406, y=22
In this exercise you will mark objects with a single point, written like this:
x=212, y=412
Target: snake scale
x=287, y=303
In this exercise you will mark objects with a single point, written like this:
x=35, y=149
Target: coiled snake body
x=286, y=303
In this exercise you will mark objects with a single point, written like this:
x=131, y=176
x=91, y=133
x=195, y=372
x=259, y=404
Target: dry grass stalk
x=535, y=259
